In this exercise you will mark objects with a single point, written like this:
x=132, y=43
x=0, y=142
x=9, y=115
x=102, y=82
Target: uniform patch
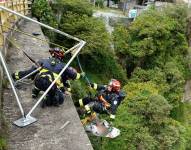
x=115, y=102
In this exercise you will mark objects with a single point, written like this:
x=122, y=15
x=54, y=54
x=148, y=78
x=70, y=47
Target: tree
x=97, y=51
x=108, y=1
x=150, y=40
x=43, y=12
x=144, y=121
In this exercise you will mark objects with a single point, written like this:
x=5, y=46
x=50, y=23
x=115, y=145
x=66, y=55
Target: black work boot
x=15, y=76
x=81, y=111
x=44, y=102
x=35, y=92
x=55, y=101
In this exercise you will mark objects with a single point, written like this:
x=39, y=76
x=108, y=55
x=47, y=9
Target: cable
x=86, y=78
x=16, y=46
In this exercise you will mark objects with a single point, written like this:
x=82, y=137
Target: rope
x=27, y=34
x=86, y=78
x=16, y=46
x=27, y=83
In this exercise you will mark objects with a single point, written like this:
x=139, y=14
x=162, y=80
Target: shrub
x=99, y=3
x=144, y=121
x=97, y=53
x=80, y=7
x=43, y=12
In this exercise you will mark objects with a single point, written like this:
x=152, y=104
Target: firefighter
x=50, y=68
x=107, y=99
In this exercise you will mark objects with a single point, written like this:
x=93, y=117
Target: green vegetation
x=76, y=19
x=43, y=12
x=3, y=132
x=153, y=50
x=151, y=53
x=3, y=143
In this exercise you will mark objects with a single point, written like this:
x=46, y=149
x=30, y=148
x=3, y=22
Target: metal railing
x=8, y=19
x=28, y=119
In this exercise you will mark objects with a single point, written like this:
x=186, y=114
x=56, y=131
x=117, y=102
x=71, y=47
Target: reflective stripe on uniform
x=58, y=82
x=95, y=86
x=87, y=108
x=43, y=70
x=47, y=75
x=17, y=75
x=81, y=103
x=78, y=76
x=112, y=116
x=36, y=88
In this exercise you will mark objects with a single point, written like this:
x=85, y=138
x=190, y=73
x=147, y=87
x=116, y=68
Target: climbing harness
x=104, y=102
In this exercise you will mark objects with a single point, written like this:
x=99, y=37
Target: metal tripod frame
x=28, y=119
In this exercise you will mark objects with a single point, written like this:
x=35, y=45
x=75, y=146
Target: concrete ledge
x=46, y=133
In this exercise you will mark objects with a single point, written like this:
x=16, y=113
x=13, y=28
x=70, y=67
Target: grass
x=3, y=143
x=3, y=129
x=3, y=133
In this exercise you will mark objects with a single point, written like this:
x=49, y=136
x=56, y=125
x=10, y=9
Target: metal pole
x=72, y=58
x=72, y=48
x=41, y=24
x=28, y=75
x=12, y=85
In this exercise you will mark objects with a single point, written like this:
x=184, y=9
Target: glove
x=112, y=116
x=90, y=85
x=93, y=85
x=82, y=74
x=67, y=93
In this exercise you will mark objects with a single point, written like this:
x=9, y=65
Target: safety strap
x=104, y=102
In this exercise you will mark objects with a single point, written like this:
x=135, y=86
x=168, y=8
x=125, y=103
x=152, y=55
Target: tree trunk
x=108, y=3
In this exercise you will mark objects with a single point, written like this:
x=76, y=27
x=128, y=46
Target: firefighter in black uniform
x=107, y=100
x=50, y=68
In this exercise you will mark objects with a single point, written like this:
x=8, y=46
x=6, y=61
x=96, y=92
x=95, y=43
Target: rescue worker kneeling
x=107, y=100
x=50, y=68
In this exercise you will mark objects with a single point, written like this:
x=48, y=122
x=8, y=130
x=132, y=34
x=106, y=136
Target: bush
x=3, y=132
x=79, y=90
x=80, y=7
x=97, y=53
x=151, y=40
x=144, y=121
x=100, y=3
x=3, y=144
x=43, y=12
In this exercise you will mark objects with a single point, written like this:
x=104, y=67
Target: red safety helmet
x=115, y=85
x=57, y=53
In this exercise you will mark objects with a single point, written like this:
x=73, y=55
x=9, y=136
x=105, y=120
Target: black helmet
x=72, y=73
